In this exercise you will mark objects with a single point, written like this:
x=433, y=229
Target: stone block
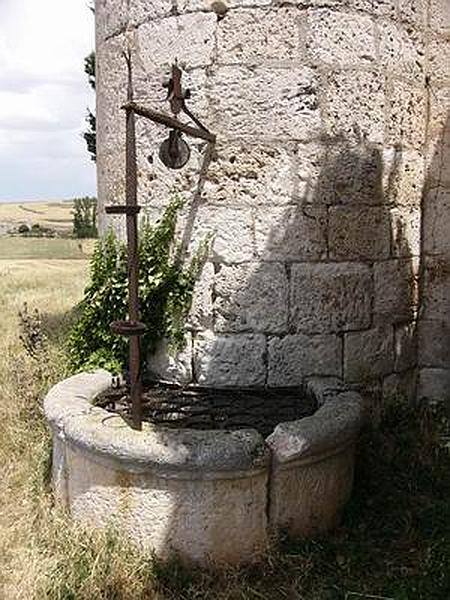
x=274, y=103
x=294, y=357
x=405, y=340
x=436, y=238
x=258, y=35
x=165, y=364
x=230, y=360
x=407, y=115
x=434, y=385
x=436, y=291
x=439, y=61
x=396, y=290
x=359, y=233
x=406, y=232
x=328, y=298
x=305, y=513
x=440, y=16
x=147, y=11
x=402, y=50
x=230, y=230
x=201, y=312
x=340, y=39
x=291, y=233
x=340, y=173
x=189, y=38
x=434, y=343
x=355, y=105
x=250, y=175
x=404, y=176
x=368, y=354
x=251, y=297
x=111, y=18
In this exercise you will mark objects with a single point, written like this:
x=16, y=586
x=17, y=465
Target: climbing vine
x=166, y=287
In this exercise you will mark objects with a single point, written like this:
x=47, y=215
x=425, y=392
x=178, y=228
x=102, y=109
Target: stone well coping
x=187, y=453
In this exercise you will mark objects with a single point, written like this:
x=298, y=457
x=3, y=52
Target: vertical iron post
x=133, y=258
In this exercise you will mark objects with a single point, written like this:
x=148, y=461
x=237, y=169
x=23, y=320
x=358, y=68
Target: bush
x=165, y=292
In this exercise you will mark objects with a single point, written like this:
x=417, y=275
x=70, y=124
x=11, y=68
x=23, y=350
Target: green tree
x=90, y=135
x=85, y=217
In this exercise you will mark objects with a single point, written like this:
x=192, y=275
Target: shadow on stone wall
x=330, y=286
x=434, y=323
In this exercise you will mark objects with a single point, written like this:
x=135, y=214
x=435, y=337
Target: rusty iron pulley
x=174, y=152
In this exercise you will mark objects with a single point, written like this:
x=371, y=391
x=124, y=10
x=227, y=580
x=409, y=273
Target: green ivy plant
x=166, y=287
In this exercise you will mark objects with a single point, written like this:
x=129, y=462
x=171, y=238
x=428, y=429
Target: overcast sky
x=44, y=94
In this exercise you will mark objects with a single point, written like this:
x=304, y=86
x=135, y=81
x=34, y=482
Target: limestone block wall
x=326, y=192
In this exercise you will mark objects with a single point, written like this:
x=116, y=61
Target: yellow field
x=13, y=248
x=55, y=215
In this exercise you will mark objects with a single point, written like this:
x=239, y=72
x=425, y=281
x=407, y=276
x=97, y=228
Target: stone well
x=205, y=495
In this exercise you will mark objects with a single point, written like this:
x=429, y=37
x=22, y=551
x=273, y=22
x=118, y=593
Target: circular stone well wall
x=329, y=141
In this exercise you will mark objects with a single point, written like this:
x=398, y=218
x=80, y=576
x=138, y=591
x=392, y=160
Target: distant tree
x=90, y=135
x=84, y=216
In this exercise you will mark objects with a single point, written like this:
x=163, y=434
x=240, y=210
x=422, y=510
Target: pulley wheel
x=174, y=151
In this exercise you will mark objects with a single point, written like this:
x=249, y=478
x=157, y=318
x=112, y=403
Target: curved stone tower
x=329, y=188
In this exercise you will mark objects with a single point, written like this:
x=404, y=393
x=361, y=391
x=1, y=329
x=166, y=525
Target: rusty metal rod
x=133, y=258
x=169, y=121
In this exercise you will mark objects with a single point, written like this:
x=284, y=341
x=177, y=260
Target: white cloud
x=43, y=98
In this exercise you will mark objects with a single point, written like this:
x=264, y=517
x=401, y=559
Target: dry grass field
x=20, y=248
x=54, y=215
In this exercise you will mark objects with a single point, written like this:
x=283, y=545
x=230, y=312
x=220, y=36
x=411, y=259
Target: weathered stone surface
x=251, y=297
x=434, y=384
x=439, y=60
x=436, y=291
x=440, y=16
x=402, y=50
x=291, y=233
x=273, y=103
x=146, y=11
x=330, y=297
x=231, y=230
x=190, y=38
x=220, y=9
x=340, y=39
x=359, y=233
x=406, y=230
x=355, y=105
x=201, y=313
x=407, y=115
x=166, y=365
x=294, y=357
x=405, y=339
x=404, y=176
x=385, y=8
x=413, y=11
x=258, y=35
x=396, y=290
x=230, y=360
x=400, y=386
x=329, y=485
x=250, y=175
x=111, y=17
x=340, y=173
x=436, y=238
x=335, y=425
x=434, y=343
x=368, y=354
